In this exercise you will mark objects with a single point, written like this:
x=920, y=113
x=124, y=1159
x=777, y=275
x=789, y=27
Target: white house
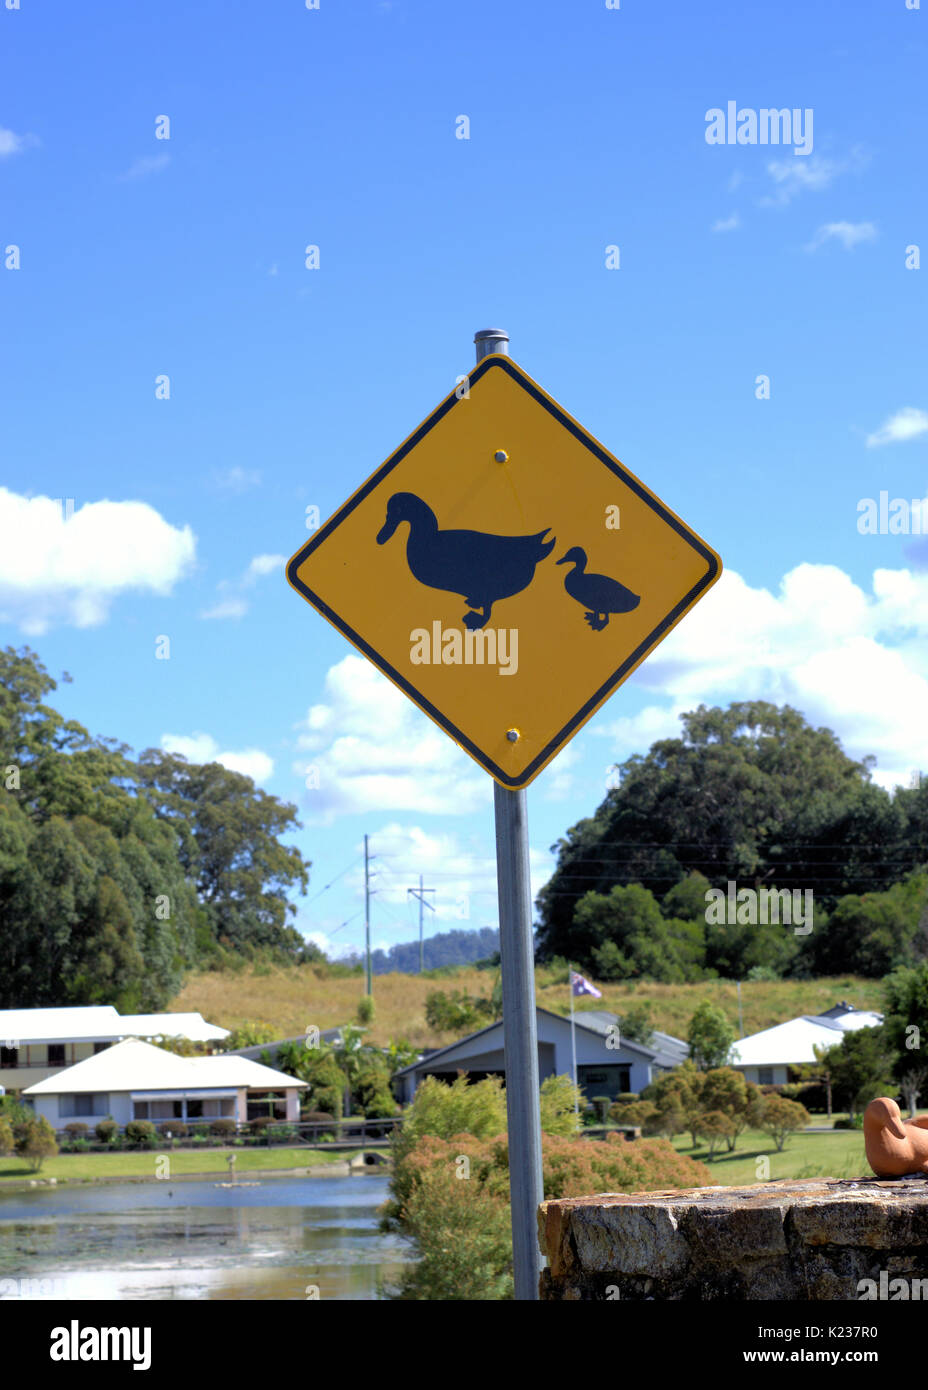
x=134, y=1080
x=35, y=1043
x=602, y=1069
x=766, y=1057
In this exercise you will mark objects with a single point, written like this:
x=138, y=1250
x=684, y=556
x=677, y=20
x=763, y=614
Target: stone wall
x=802, y=1241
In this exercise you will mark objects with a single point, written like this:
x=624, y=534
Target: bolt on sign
x=504, y=570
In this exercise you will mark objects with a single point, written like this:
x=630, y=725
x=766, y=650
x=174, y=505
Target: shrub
x=223, y=1127
x=851, y=1122
x=106, y=1130
x=35, y=1141
x=714, y=1126
x=78, y=1146
x=365, y=1014
x=141, y=1133
x=602, y=1104
x=176, y=1128
x=558, y=1105
x=259, y=1125
x=461, y=1229
x=637, y=1112
x=76, y=1130
x=780, y=1117
x=6, y=1137
x=317, y=1117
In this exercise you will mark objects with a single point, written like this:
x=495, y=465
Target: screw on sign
x=498, y=544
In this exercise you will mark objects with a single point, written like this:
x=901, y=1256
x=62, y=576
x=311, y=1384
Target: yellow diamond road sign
x=504, y=570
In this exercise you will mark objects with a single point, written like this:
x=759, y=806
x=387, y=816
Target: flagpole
x=573, y=1036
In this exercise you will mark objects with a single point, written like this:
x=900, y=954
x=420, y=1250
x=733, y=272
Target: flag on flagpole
x=580, y=985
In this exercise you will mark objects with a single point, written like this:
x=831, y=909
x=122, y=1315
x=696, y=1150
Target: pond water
x=164, y=1240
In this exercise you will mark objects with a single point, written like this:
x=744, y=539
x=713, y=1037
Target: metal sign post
x=520, y=1031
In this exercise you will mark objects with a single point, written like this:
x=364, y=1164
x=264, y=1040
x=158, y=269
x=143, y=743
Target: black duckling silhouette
x=597, y=593
x=483, y=568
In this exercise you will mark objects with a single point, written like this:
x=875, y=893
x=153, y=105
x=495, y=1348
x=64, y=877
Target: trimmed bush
x=78, y=1146
x=141, y=1133
x=76, y=1130
x=259, y=1125
x=317, y=1117
x=845, y=1123
x=222, y=1127
x=106, y=1131
x=35, y=1141
x=176, y=1128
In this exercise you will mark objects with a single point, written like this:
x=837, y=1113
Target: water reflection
x=169, y=1240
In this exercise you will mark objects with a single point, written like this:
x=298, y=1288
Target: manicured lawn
x=131, y=1164
x=839, y=1154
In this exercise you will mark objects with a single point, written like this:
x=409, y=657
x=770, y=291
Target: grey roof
x=665, y=1053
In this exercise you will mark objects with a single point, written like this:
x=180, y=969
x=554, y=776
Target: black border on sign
x=504, y=364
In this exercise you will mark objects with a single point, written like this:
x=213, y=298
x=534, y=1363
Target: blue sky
x=185, y=257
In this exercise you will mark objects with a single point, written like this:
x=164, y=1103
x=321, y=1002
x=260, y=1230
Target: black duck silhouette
x=483, y=568
x=597, y=593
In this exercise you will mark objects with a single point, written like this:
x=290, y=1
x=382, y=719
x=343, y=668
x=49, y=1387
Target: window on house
x=765, y=1076
x=194, y=1110
x=9, y=1056
x=87, y=1103
x=100, y=1047
x=56, y=1054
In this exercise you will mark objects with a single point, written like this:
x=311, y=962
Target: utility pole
x=367, y=918
x=422, y=903
x=520, y=1026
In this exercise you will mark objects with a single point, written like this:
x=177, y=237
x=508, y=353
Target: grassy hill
x=290, y=998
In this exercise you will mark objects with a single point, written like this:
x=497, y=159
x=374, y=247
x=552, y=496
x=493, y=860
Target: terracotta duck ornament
x=894, y=1146
x=481, y=567
x=597, y=593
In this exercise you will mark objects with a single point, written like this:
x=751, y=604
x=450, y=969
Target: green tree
x=905, y=1024
x=710, y=1037
x=637, y=1025
x=751, y=793
x=781, y=1117
x=559, y=1097
x=228, y=835
x=93, y=898
x=626, y=935
x=6, y=1137
x=726, y=1090
x=874, y=933
x=35, y=1141
x=714, y=1126
x=861, y=1066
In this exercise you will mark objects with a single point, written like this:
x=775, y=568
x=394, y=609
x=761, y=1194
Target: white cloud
x=203, y=748
x=235, y=605
x=794, y=176
x=11, y=143
x=372, y=749
x=236, y=479
x=854, y=661
x=907, y=423
x=60, y=568
x=850, y=234
x=727, y=224
x=263, y=564
x=149, y=164
x=458, y=873
x=810, y=174
x=226, y=608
